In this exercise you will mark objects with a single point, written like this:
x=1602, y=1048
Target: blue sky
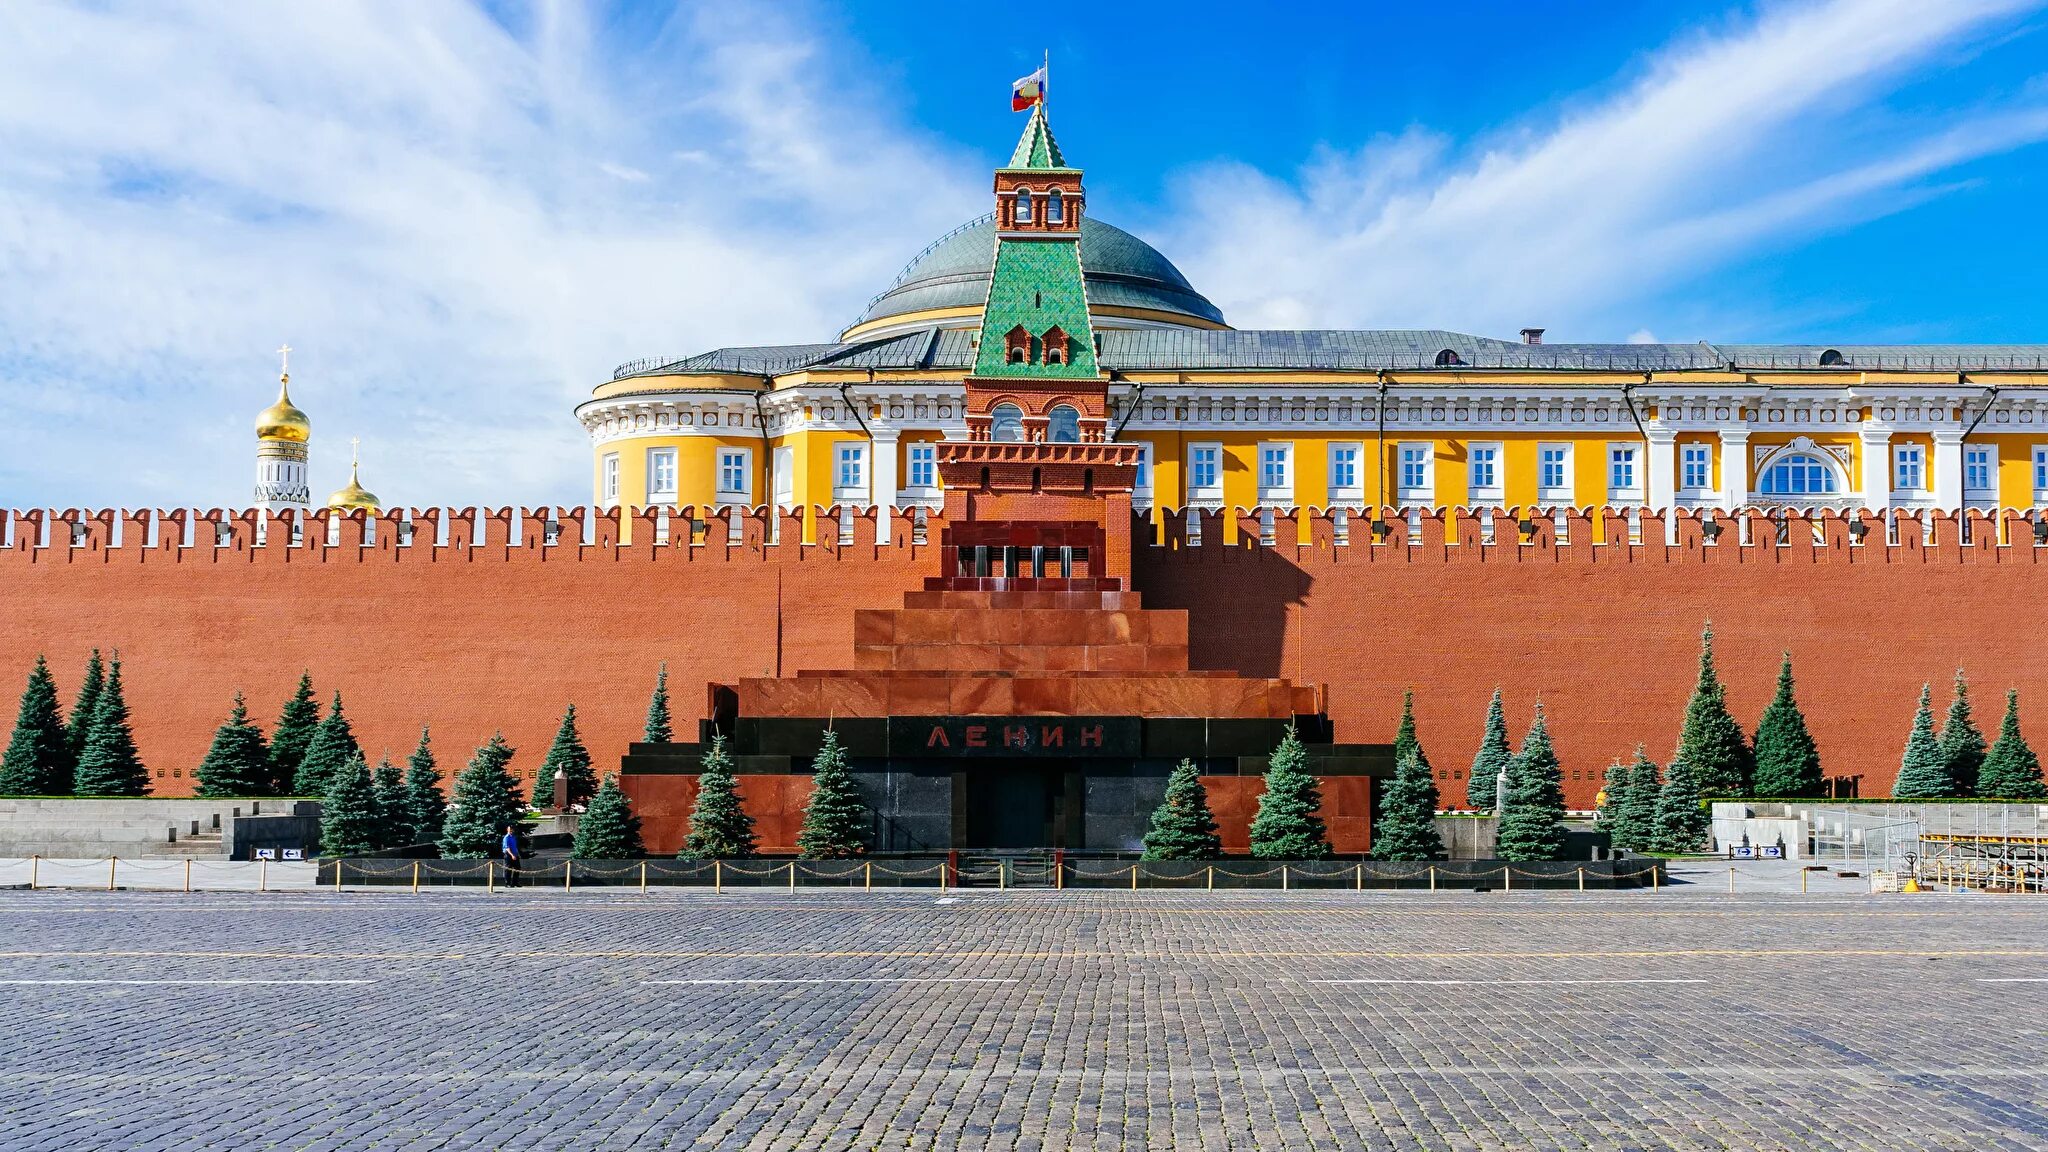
x=463, y=215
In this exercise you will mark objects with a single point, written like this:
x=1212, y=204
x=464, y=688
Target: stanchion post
x=113, y=862
x=1802, y=881
x=1507, y=878
x=415, y=877
x=1358, y=876
x=1003, y=875
x=1731, y=879
x=792, y=875
x=1432, y=877
x=1656, y=875
x=263, y=875
x=33, y=862
x=867, y=876
x=643, y=877
x=1582, y=877
x=337, y=873
x=490, y=875
x=1283, y=878
x=1134, y=877
x=718, y=875
x=188, y=874
x=1212, y=878
x=568, y=871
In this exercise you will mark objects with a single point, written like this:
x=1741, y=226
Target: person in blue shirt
x=508, y=850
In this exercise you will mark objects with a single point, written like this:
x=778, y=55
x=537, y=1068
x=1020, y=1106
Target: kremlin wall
x=494, y=628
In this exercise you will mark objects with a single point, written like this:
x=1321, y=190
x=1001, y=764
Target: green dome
x=1118, y=269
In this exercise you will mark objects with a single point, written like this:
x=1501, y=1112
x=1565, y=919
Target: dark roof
x=1118, y=269
x=1190, y=349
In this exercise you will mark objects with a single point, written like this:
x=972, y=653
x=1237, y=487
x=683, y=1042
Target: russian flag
x=1028, y=91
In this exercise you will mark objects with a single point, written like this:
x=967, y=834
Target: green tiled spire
x=1037, y=284
x=1036, y=149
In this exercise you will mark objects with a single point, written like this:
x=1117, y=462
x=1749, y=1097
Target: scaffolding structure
x=1981, y=861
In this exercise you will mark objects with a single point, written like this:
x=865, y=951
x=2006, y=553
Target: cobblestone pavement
x=1018, y=1020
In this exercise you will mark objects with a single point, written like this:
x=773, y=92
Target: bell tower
x=1038, y=483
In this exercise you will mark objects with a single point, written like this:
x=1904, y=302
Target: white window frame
x=1205, y=456
x=924, y=455
x=1141, y=484
x=1415, y=460
x=1276, y=473
x=658, y=461
x=1349, y=492
x=1485, y=460
x=2041, y=473
x=1023, y=212
x=608, y=472
x=1624, y=486
x=727, y=460
x=850, y=483
x=1695, y=469
x=1561, y=492
x=785, y=476
x=1909, y=469
x=1987, y=454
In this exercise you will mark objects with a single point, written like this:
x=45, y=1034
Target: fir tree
x=349, y=824
x=608, y=830
x=720, y=828
x=836, y=819
x=333, y=743
x=1288, y=826
x=568, y=756
x=238, y=763
x=1923, y=771
x=658, y=730
x=1711, y=741
x=1406, y=743
x=425, y=807
x=1407, y=823
x=87, y=705
x=110, y=765
x=296, y=723
x=1482, y=790
x=486, y=800
x=2011, y=771
x=1532, y=828
x=1962, y=745
x=1183, y=828
x=1787, y=762
x=38, y=761
x=1681, y=822
x=1644, y=789
x=1613, y=818
x=394, y=827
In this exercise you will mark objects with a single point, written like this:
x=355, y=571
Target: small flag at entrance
x=1028, y=91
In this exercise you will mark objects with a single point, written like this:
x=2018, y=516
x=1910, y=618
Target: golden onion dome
x=283, y=420
x=355, y=496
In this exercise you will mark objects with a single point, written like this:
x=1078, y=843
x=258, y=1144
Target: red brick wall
x=1608, y=635
x=472, y=639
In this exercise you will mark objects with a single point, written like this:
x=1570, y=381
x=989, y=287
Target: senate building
x=1290, y=420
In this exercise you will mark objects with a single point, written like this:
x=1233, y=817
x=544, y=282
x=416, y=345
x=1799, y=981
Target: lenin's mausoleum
x=1040, y=524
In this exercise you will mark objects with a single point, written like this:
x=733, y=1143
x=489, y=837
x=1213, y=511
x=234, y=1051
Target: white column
x=1661, y=486
x=1877, y=467
x=1734, y=468
x=1948, y=469
x=882, y=479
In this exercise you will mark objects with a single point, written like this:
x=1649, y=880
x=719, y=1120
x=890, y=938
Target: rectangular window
x=611, y=478
x=1347, y=481
x=1980, y=463
x=1907, y=471
x=1143, y=482
x=1205, y=472
x=1695, y=467
x=735, y=468
x=1483, y=471
x=661, y=475
x=2041, y=473
x=785, y=476
x=1554, y=473
x=1276, y=472
x=1621, y=468
x=924, y=465
x=1415, y=471
x=851, y=472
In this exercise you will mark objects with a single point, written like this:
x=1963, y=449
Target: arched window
x=1832, y=359
x=1055, y=208
x=1063, y=425
x=1023, y=205
x=1798, y=474
x=1006, y=422
x=1018, y=355
x=1447, y=359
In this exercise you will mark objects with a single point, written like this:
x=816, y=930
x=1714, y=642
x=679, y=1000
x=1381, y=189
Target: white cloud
x=1728, y=143
x=460, y=227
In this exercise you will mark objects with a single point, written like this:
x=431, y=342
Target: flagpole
x=1045, y=82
